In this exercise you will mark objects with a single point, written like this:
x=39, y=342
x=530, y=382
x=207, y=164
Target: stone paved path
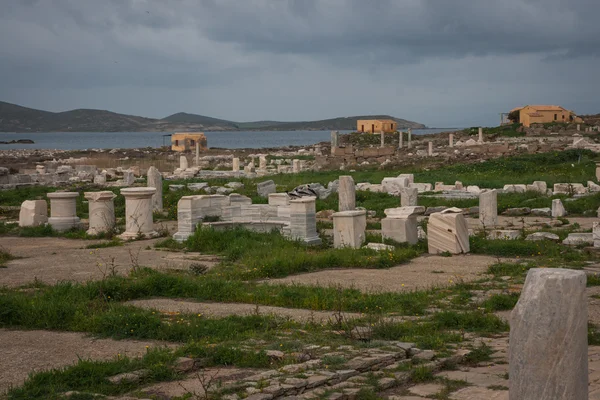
x=218, y=310
x=23, y=352
x=52, y=260
x=420, y=273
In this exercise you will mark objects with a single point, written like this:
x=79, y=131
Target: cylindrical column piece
x=63, y=210
x=101, y=211
x=138, y=212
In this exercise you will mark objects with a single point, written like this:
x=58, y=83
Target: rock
x=364, y=333
x=447, y=231
x=504, y=234
x=425, y=355
x=394, y=185
x=33, y=213
x=129, y=377
x=325, y=214
x=431, y=210
x=541, y=212
x=266, y=187
x=224, y=190
x=184, y=364
x=558, y=210
x=197, y=186
x=175, y=188
x=379, y=247
x=576, y=239
x=234, y=185
x=543, y=236
x=516, y=212
x=515, y=188
x=548, y=337
x=275, y=354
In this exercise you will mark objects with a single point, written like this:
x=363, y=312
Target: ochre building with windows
x=376, y=125
x=541, y=114
x=186, y=141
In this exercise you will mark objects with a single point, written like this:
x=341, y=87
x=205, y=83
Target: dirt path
x=219, y=310
x=421, y=273
x=52, y=260
x=23, y=352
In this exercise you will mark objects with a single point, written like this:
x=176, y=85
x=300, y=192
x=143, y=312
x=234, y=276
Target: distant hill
x=15, y=118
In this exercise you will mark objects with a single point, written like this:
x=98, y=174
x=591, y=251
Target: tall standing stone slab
x=335, y=136
x=155, y=181
x=488, y=208
x=33, y=213
x=189, y=215
x=451, y=140
x=598, y=172
x=138, y=213
x=400, y=139
x=480, y=135
x=548, y=356
x=101, y=211
x=349, y=228
x=409, y=139
x=262, y=163
x=430, y=148
x=265, y=188
x=596, y=233
x=447, y=231
x=128, y=178
x=183, y=162
x=382, y=140
x=558, y=210
x=409, y=196
x=63, y=210
x=303, y=220
x=346, y=193
x=295, y=166
x=235, y=164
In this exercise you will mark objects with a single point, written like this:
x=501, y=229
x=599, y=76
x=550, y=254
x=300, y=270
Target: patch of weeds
x=5, y=256
x=446, y=254
x=270, y=255
x=112, y=243
x=424, y=333
x=593, y=335
x=508, y=269
x=593, y=280
x=421, y=373
x=501, y=302
x=450, y=386
x=471, y=321
x=170, y=244
x=367, y=394
x=479, y=354
x=334, y=362
x=198, y=269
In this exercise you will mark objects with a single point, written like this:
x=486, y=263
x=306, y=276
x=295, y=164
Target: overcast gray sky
x=444, y=63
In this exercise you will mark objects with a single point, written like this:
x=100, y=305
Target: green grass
x=252, y=255
x=473, y=321
x=479, y=354
x=102, y=245
x=501, y=302
x=520, y=248
x=5, y=256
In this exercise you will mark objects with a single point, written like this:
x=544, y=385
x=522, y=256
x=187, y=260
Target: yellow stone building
x=376, y=125
x=541, y=114
x=186, y=141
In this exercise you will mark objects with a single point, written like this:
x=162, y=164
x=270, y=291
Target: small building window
x=555, y=117
x=176, y=142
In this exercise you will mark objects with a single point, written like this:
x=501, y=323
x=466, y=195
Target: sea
x=132, y=140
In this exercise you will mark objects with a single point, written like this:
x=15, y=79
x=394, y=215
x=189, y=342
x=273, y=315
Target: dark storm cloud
x=284, y=59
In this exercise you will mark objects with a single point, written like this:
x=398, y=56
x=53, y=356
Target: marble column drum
x=63, y=210
x=303, y=220
x=101, y=211
x=138, y=213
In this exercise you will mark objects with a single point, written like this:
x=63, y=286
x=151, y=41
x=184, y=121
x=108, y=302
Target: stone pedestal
x=451, y=140
x=349, y=228
x=409, y=196
x=346, y=193
x=303, y=220
x=548, y=355
x=480, y=138
x=235, y=164
x=447, y=231
x=33, y=213
x=138, y=213
x=63, y=210
x=488, y=208
x=101, y=211
x=295, y=166
x=155, y=181
x=400, y=224
x=183, y=162
x=189, y=215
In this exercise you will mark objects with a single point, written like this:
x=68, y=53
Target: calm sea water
x=130, y=140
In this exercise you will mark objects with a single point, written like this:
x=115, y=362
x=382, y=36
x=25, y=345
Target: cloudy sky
x=444, y=63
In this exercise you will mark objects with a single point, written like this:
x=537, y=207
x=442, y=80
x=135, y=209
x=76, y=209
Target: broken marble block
x=504, y=234
x=33, y=213
x=400, y=224
x=447, y=231
x=266, y=187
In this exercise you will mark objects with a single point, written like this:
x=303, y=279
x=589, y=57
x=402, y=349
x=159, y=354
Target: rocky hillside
x=15, y=118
